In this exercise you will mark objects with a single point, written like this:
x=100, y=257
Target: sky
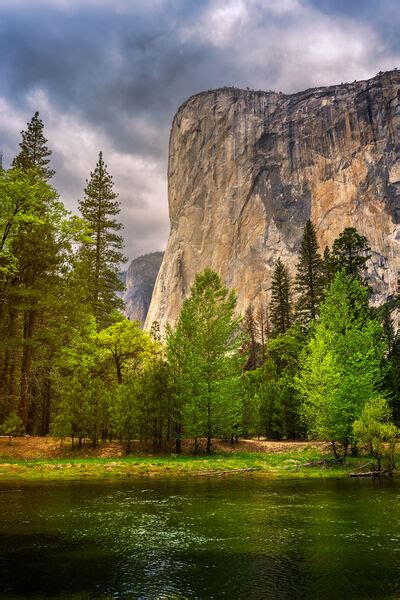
x=109, y=75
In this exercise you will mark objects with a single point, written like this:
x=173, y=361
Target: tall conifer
x=102, y=256
x=350, y=251
x=34, y=153
x=250, y=329
x=309, y=277
x=262, y=327
x=281, y=310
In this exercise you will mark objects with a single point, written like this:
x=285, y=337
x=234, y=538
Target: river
x=226, y=537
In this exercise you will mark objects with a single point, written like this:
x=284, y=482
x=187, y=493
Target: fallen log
x=216, y=472
x=324, y=461
x=364, y=466
x=387, y=472
x=314, y=463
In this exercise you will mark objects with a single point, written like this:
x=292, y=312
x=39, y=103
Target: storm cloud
x=110, y=77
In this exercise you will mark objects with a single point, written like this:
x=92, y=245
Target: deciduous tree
x=342, y=368
x=206, y=345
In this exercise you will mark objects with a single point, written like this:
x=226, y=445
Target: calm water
x=207, y=538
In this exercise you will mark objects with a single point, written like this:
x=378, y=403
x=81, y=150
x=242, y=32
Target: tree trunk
x=346, y=447
x=178, y=441
x=46, y=407
x=26, y=366
x=209, y=431
x=335, y=454
x=119, y=371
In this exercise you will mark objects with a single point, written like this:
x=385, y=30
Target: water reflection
x=213, y=538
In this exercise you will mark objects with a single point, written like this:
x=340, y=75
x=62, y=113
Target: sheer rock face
x=140, y=279
x=247, y=169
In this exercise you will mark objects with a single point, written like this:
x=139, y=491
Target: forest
x=319, y=361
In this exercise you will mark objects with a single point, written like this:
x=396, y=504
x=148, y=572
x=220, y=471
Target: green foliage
x=79, y=369
x=281, y=308
x=376, y=430
x=78, y=366
x=270, y=400
x=342, y=367
x=34, y=153
x=350, y=252
x=125, y=411
x=12, y=425
x=309, y=277
x=61, y=426
x=126, y=345
x=249, y=326
x=101, y=254
x=392, y=380
x=27, y=203
x=203, y=353
x=37, y=237
x=328, y=268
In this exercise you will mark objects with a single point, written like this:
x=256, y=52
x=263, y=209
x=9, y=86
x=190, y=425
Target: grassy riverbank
x=34, y=460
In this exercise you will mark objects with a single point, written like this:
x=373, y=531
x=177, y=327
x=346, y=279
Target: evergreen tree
x=309, y=278
x=350, y=251
x=270, y=398
x=262, y=327
x=250, y=330
x=281, y=310
x=328, y=268
x=34, y=153
x=101, y=255
x=36, y=242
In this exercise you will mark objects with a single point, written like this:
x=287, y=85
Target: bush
x=376, y=430
x=12, y=426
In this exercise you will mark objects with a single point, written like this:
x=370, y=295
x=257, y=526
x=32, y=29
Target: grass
x=280, y=465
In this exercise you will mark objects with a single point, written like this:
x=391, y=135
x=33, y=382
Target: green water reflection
x=206, y=538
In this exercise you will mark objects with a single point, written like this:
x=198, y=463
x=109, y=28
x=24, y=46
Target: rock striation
x=140, y=279
x=248, y=168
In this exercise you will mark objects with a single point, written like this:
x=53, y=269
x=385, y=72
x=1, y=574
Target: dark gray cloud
x=111, y=76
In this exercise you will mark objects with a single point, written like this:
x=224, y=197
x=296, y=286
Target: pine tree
x=263, y=328
x=250, y=329
x=102, y=255
x=328, y=268
x=309, y=278
x=281, y=312
x=350, y=251
x=34, y=153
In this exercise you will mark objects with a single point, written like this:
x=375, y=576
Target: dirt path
x=38, y=448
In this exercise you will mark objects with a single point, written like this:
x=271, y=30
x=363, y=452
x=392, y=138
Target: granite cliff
x=248, y=168
x=140, y=278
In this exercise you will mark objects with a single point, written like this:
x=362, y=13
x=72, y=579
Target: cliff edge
x=248, y=168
